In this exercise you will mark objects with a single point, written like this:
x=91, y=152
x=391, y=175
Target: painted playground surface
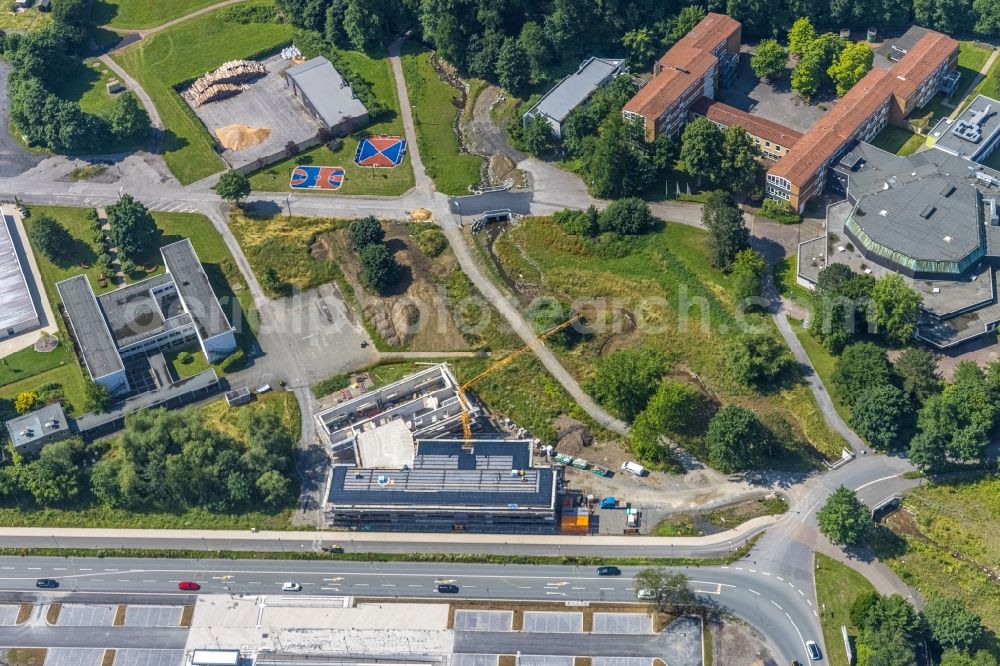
x=307, y=177
x=380, y=151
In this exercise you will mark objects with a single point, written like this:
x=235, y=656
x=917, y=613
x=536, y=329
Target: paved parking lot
x=622, y=623
x=153, y=616
x=474, y=620
x=544, y=660
x=8, y=614
x=132, y=657
x=470, y=660
x=86, y=615
x=621, y=661
x=553, y=623
x=74, y=657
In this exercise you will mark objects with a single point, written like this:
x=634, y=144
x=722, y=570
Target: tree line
x=162, y=461
x=537, y=41
x=42, y=63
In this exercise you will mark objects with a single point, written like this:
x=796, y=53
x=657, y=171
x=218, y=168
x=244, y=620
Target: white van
x=635, y=468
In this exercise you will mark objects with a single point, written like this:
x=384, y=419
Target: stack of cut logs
x=228, y=80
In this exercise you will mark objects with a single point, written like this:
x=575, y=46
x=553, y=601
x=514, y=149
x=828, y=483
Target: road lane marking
x=60, y=569
x=560, y=594
x=872, y=483
x=802, y=593
x=753, y=591
x=388, y=585
x=780, y=578
x=777, y=605
x=765, y=573
x=753, y=571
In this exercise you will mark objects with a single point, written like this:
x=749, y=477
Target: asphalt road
x=777, y=607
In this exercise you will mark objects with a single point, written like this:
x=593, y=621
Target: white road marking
x=765, y=573
x=60, y=569
x=753, y=571
x=802, y=593
x=388, y=585
x=872, y=483
x=560, y=594
x=753, y=591
x=780, y=578
x=776, y=605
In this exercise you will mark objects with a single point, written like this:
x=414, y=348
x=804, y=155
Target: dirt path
x=424, y=183
x=482, y=134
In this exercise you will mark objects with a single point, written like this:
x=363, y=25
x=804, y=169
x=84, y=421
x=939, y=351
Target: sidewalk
x=48, y=537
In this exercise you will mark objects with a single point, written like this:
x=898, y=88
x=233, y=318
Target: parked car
x=188, y=586
x=646, y=594
x=332, y=549
x=448, y=588
x=291, y=587
x=47, y=583
x=634, y=468
x=813, y=651
x=609, y=571
x=263, y=388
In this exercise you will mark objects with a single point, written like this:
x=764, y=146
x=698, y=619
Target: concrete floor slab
x=621, y=661
x=475, y=659
x=544, y=660
x=553, y=623
x=8, y=614
x=135, y=657
x=74, y=656
x=622, y=623
x=153, y=616
x=86, y=615
x=474, y=620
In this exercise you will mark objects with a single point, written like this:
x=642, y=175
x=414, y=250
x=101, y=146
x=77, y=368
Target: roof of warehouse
x=16, y=304
x=573, y=90
x=328, y=91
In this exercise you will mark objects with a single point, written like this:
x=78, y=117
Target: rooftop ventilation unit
x=947, y=239
x=947, y=189
x=971, y=129
x=987, y=179
x=928, y=211
x=883, y=212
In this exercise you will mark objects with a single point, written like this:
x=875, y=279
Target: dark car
x=448, y=589
x=333, y=549
x=609, y=571
x=47, y=583
x=188, y=585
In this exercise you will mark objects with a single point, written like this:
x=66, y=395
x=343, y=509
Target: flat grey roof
x=40, y=423
x=194, y=289
x=894, y=217
x=133, y=313
x=100, y=354
x=573, y=90
x=16, y=304
x=987, y=127
x=329, y=93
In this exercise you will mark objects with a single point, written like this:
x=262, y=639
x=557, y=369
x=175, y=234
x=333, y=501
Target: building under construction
x=407, y=466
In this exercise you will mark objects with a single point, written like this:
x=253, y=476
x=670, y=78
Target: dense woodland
x=41, y=62
x=544, y=38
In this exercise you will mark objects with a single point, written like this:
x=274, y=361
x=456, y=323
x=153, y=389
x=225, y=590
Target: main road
x=779, y=608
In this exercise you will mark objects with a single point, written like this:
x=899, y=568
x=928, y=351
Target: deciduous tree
x=728, y=233
x=749, y=274
x=127, y=117
x=625, y=380
x=769, y=60
x=918, y=373
x=702, y=146
x=800, y=36
x=133, y=230
x=672, y=590
x=755, y=359
x=862, y=365
x=897, y=307
x=952, y=626
x=881, y=415
x=366, y=231
x=513, y=67
x=853, y=63
x=233, y=187
x=50, y=238
x=844, y=519
x=379, y=269
x=739, y=161
x=736, y=439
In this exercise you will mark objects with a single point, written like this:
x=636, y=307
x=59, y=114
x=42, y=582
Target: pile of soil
x=421, y=215
x=571, y=435
x=240, y=137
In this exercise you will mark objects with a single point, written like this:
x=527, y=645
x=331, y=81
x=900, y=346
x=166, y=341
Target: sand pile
x=238, y=137
x=421, y=215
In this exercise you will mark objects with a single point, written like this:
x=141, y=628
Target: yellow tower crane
x=505, y=361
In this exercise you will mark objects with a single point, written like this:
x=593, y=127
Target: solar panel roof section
x=89, y=327
x=573, y=90
x=16, y=304
x=194, y=289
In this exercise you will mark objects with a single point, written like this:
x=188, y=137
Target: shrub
x=379, y=269
x=234, y=361
x=431, y=242
x=779, y=210
x=366, y=231
x=331, y=385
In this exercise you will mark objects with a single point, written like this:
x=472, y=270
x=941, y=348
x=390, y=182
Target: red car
x=188, y=585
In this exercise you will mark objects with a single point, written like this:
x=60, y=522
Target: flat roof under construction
x=16, y=304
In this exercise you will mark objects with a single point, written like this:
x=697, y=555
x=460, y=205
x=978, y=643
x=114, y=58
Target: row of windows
x=778, y=194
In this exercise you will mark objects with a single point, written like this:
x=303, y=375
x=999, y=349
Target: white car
x=813, y=650
x=291, y=587
x=646, y=594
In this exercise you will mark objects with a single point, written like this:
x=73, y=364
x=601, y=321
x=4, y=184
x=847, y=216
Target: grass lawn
x=182, y=53
x=785, y=274
x=988, y=86
x=196, y=362
x=898, y=140
x=824, y=363
x=88, y=513
x=26, y=21
x=434, y=115
x=837, y=586
x=665, y=282
x=944, y=548
x=377, y=72
x=971, y=59
x=65, y=381
x=134, y=14
x=28, y=362
x=88, y=86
